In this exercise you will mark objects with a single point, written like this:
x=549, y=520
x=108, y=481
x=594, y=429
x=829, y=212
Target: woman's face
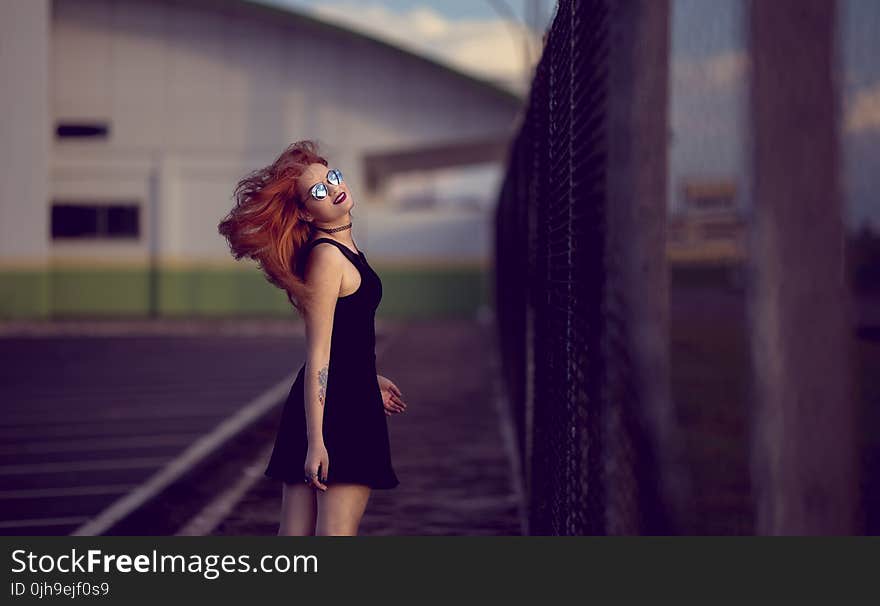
x=328, y=210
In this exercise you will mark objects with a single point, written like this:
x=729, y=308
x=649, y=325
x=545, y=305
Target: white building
x=126, y=124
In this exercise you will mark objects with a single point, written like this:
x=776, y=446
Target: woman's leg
x=299, y=510
x=340, y=508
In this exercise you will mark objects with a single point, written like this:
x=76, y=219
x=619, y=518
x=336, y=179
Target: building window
x=106, y=221
x=82, y=130
x=720, y=231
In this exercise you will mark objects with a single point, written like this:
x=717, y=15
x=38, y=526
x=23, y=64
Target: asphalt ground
x=92, y=411
x=448, y=449
x=95, y=411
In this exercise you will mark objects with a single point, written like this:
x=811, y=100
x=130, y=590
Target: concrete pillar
x=804, y=464
x=637, y=296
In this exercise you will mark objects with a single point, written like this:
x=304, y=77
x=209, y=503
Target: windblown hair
x=265, y=224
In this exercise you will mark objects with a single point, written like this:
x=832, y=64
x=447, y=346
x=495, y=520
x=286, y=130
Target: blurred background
x=133, y=121
x=557, y=221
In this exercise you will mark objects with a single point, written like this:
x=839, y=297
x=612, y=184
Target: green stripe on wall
x=90, y=292
x=24, y=294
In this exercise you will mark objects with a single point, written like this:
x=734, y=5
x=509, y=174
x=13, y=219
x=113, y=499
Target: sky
x=709, y=86
x=471, y=35
x=707, y=74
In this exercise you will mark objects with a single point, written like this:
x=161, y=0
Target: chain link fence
x=582, y=281
x=577, y=452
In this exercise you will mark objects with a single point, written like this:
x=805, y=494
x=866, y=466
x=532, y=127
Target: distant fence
x=582, y=281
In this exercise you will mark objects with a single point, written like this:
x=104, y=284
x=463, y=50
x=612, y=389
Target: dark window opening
x=95, y=221
x=66, y=130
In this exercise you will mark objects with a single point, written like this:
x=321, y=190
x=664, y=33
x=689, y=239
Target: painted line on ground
x=27, y=420
x=39, y=522
x=66, y=491
x=508, y=432
x=145, y=441
x=84, y=465
x=188, y=459
x=206, y=520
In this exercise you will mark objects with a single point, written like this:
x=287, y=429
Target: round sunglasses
x=319, y=190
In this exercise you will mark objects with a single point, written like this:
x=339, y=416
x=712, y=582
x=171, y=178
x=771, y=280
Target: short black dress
x=354, y=426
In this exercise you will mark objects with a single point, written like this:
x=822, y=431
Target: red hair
x=265, y=224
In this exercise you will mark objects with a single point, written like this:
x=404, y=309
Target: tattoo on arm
x=322, y=381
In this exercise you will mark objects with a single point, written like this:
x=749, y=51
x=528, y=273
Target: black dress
x=354, y=426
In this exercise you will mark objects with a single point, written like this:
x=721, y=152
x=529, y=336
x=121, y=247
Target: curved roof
x=272, y=10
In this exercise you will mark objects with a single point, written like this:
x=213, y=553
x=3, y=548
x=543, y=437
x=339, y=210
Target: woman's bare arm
x=324, y=272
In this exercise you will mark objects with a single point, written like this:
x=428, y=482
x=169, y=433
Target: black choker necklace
x=334, y=229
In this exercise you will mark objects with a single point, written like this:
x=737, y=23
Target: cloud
x=487, y=48
x=707, y=114
x=719, y=73
x=863, y=110
x=708, y=96
x=713, y=79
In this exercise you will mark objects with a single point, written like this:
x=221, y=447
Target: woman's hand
x=316, y=457
x=392, y=398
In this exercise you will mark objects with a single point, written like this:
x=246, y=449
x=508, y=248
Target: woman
x=332, y=448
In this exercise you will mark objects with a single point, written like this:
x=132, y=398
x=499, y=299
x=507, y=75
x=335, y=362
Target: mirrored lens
x=334, y=176
x=319, y=191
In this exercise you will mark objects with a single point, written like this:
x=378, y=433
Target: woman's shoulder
x=316, y=246
x=323, y=253
x=311, y=248
x=320, y=247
